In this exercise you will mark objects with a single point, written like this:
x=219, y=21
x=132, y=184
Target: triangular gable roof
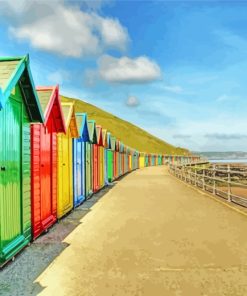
x=81, y=119
x=51, y=106
x=69, y=117
x=108, y=139
x=104, y=138
x=16, y=70
x=99, y=135
x=113, y=143
x=92, y=131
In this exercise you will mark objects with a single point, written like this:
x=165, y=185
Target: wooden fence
x=226, y=181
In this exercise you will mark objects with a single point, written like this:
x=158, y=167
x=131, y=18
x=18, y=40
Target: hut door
x=88, y=169
x=79, y=169
x=95, y=167
x=46, y=174
x=10, y=172
x=66, y=170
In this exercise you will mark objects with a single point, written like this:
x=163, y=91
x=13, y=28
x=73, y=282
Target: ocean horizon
x=239, y=160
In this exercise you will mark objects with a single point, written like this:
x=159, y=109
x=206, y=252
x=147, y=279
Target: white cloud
x=113, y=33
x=64, y=29
x=127, y=70
x=132, y=101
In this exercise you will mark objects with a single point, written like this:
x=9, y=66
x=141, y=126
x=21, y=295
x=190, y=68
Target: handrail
x=209, y=180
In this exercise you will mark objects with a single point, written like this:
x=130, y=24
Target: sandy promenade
x=152, y=235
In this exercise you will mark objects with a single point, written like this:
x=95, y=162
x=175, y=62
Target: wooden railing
x=226, y=181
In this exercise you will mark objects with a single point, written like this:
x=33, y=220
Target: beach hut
x=142, y=160
x=19, y=106
x=146, y=160
x=64, y=159
x=101, y=177
x=161, y=159
x=110, y=157
x=95, y=163
x=119, y=159
x=106, y=145
x=122, y=153
x=44, y=160
x=117, y=168
x=135, y=160
x=79, y=159
x=156, y=159
x=90, y=157
x=114, y=147
x=127, y=159
x=130, y=159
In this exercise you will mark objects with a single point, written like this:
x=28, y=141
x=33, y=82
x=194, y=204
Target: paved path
x=153, y=235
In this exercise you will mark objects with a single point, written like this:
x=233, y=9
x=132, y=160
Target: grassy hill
x=130, y=134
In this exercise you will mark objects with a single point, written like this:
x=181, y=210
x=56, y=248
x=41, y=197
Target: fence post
x=229, y=194
x=195, y=174
x=190, y=175
x=214, y=183
x=203, y=179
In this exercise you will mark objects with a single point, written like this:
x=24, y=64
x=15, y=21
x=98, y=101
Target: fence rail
x=227, y=182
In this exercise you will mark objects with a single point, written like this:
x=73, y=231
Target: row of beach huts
x=51, y=158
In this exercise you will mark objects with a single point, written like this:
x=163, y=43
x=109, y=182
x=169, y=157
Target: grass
x=130, y=134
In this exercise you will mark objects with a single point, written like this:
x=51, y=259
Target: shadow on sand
x=17, y=277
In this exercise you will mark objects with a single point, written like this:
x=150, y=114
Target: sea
x=236, y=160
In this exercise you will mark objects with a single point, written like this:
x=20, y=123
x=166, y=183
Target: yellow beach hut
x=65, y=164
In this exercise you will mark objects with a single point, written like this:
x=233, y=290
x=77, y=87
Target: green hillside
x=130, y=134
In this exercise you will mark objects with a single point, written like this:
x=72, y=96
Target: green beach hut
x=19, y=106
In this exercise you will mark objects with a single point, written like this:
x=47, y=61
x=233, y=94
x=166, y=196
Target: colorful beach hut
x=64, y=160
x=110, y=157
x=117, y=166
x=135, y=159
x=101, y=158
x=106, y=145
x=44, y=160
x=160, y=162
x=90, y=157
x=19, y=106
x=130, y=159
x=79, y=159
x=142, y=160
x=125, y=160
x=121, y=158
x=127, y=152
x=114, y=148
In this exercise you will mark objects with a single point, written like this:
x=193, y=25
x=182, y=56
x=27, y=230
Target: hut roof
x=51, y=106
x=16, y=70
x=81, y=119
x=70, y=120
x=92, y=131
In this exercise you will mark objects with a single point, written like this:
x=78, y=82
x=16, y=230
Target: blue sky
x=176, y=69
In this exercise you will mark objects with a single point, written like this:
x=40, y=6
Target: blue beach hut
x=79, y=159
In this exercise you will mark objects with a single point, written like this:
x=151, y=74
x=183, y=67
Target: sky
x=175, y=68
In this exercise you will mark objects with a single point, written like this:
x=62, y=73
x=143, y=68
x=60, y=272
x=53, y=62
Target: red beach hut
x=44, y=160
